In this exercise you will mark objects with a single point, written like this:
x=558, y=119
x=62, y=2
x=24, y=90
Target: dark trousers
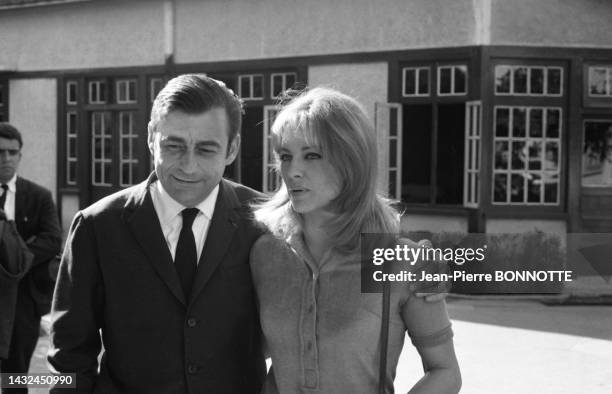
x=26, y=330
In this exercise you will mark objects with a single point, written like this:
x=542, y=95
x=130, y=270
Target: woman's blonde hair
x=339, y=126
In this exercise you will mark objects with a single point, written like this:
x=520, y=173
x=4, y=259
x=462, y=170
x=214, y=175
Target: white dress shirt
x=169, y=214
x=9, y=204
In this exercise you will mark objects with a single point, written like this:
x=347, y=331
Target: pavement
x=510, y=345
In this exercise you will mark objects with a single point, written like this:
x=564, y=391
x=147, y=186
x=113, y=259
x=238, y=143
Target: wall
x=82, y=35
x=33, y=110
x=552, y=22
x=245, y=29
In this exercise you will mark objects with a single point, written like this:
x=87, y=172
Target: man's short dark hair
x=10, y=132
x=196, y=94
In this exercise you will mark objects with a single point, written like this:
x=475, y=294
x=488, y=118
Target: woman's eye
x=312, y=156
x=284, y=157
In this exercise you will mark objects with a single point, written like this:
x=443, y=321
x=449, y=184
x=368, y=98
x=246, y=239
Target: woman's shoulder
x=267, y=242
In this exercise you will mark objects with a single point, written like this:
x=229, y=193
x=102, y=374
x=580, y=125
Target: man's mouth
x=187, y=181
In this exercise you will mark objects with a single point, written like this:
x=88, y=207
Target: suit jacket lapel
x=141, y=217
x=219, y=237
x=21, y=196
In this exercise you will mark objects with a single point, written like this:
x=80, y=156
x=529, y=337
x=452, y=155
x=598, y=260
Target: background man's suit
x=117, y=274
x=37, y=223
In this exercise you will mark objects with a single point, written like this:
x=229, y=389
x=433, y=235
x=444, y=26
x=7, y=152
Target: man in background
x=32, y=209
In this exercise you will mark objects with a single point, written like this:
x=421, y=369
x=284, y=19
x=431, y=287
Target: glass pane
x=517, y=188
x=277, y=85
x=96, y=123
x=258, y=86
x=392, y=183
x=502, y=79
x=551, y=160
x=597, y=154
x=71, y=93
x=392, y=153
x=107, y=151
x=72, y=120
x=535, y=122
x=520, y=80
x=477, y=150
x=537, y=80
x=534, y=188
x=554, y=81
x=597, y=81
x=460, y=79
x=535, y=155
x=125, y=148
x=501, y=155
x=290, y=81
x=126, y=179
x=502, y=122
x=518, y=122
x=71, y=176
x=107, y=172
x=500, y=189
x=97, y=173
x=518, y=155
x=424, y=81
x=409, y=81
x=445, y=80
x=1, y=96
x=245, y=87
x=553, y=122
x=132, y=91
x=72, y=151
x=102, y=92
x=122, y=94
x=392, y=122
x=551, y=193
x=93, y=92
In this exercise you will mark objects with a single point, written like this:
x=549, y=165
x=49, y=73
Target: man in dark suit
x=169, y=286
x=31, y=207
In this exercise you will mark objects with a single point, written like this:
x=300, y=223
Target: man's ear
x=233, y=149
x=151, y=139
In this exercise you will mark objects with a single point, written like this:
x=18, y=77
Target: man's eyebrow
x=172, y=138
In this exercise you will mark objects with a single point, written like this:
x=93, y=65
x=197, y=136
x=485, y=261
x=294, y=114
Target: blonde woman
x=322, y=333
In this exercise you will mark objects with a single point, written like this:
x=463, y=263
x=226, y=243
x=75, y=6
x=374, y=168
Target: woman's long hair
x=338, y=125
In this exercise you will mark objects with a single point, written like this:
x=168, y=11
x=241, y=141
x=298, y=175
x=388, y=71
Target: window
x=279, y=82
x=523, y=80
x=71, y=93
x=250, y=87
x=271, y=177
x=527, y=155
x=452, y=80
x=101, y=149
x=127, y=141
x=156, y=85
x=3, y=116
x=125, y=91
x=71, y=147
x=97, y=92
x=597, y=153
x=415, y=81
x=473, y=126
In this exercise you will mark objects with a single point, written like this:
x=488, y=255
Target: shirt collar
x=12, y=184
x=170, y=208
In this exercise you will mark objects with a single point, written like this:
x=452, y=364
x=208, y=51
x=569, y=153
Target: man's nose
x=188, y=161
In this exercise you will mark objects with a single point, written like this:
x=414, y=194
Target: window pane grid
x=600, y=81
x=452, y=80
x=101, y=138
x=415, y=82
x=250, y=87
x=523, y=80
x=127, y=160
x=97, y=92
x=71, y=147
x=71, y=93
x=526, y=165
x=279, y=82
x=126, y=91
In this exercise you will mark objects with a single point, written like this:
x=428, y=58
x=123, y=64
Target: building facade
x=492, y=116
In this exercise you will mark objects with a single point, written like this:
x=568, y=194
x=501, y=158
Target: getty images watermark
x=526, y=263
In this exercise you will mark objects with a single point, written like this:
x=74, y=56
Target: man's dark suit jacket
x=37, y=223
x=117, y=275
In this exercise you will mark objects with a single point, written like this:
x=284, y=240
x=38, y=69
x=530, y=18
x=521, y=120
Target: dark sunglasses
x=11, y=152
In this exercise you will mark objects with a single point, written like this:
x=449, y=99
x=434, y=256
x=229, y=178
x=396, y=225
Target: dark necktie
x=3, y=196
x=186, y=256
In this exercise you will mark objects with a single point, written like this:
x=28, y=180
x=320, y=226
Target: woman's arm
x=429, y=328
